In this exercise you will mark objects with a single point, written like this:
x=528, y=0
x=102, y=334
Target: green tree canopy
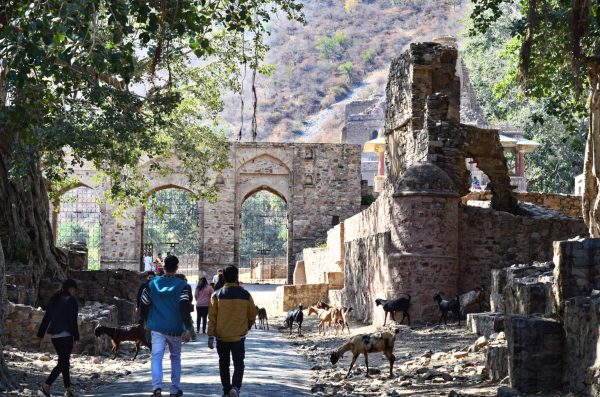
x=488, y=57
x=113, y=81
x=555, y=49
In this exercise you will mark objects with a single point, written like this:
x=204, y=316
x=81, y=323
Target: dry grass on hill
x=310, y=74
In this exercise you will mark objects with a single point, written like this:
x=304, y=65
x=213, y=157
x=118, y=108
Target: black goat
x=453, y=305
x=395, y=305
x=294, y=315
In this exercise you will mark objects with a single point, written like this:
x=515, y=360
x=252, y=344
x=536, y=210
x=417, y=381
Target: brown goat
x=368, y=343
x=135, y=333
x=261, y=313
x=343, y=318
x=324, y=316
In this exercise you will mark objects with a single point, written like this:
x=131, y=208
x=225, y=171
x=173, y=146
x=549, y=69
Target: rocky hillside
x=342, y=52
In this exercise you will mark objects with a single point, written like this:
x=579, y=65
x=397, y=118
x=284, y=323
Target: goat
x=365, y=344
x=294, y=315
x=262, y=317
x=474, y=296
x=135, y=333
x=344, y=314
x=395, y=305
x=325, y=317
x=453, y=305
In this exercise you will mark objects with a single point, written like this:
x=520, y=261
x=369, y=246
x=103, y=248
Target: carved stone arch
x=264, y=163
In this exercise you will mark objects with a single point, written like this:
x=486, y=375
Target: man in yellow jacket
x=230, y=315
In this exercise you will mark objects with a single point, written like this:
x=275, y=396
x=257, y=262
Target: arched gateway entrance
x=318, y=183
x=264, y=237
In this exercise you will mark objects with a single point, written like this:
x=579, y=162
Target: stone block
x=496, y=361
x=485, y=324
x=536, y=351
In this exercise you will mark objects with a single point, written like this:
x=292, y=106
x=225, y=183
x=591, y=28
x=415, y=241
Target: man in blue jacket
x=166, y=305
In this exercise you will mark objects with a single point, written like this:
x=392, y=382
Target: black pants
x=201, y=313
x=63, y=347
x=237, y=351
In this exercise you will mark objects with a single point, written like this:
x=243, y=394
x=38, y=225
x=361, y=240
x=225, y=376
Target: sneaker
x=234, y=392
x=157, y=393
x=69, y=393
x=178, y=394
x=43, y=393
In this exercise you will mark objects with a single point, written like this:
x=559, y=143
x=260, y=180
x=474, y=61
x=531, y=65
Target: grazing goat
x=262, y=317
x=395, y=305
x=294, y=315
x=134, y=333
x=453, y=305
x=343, y=318
x=472, y=297
x=365, y=344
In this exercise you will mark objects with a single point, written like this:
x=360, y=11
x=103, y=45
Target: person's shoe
x=234, y=392
x=69, y=393
x=157, y=393
x=178, y=394
x=43, y=393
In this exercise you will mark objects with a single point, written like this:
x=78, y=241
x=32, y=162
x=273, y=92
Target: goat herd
x=329, y=316
x=379, y=341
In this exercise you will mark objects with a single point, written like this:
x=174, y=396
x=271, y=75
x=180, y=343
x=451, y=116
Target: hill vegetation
x=345, y=46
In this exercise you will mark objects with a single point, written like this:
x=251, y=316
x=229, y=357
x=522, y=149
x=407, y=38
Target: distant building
x=363, y=120
x=579, y=181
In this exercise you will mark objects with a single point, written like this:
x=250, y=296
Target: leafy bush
x=347, y=70
x=332, y=47
x=368, y=199
x=367, y=56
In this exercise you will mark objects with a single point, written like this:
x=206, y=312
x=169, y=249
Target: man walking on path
x=230, y=315
x=166, y=302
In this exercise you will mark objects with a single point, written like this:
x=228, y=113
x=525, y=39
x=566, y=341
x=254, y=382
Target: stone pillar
x=423, y=258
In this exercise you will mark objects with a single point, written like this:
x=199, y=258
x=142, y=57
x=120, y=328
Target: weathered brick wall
x=319, y=182
x=567, y=204
x=22, y=323
x=290, y=296
x=493, y=239
x=318, y=262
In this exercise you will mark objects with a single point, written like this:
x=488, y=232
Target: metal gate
x=263, y=235
x=171, y=226
x=79, y=221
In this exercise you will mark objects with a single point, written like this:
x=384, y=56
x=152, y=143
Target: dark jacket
x=60, y=316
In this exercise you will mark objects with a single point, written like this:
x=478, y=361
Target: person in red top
x=202, y=296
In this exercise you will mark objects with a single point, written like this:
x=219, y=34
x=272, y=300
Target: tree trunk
x=5, y=380
x=25, y=230
x=591, y=198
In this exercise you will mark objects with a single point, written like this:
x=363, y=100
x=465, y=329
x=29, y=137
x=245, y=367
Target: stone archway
x=264, y=235
x=264, y=172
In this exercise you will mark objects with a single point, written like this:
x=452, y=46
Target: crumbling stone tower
x=427, y=146
x=422, y=123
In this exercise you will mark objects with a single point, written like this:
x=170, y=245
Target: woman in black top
x=60, y=322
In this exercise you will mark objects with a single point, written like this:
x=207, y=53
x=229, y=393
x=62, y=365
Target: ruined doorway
x=264, y=238
x=78, y=221
x=171, y=226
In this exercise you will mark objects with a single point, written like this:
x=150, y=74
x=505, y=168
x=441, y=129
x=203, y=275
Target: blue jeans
x=158, y=351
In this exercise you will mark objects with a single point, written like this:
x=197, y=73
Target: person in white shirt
x=147, y=263
x=215, y=278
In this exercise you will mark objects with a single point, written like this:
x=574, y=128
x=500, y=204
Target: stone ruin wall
x=417, y=238
x=319, y=182
x=551, y=316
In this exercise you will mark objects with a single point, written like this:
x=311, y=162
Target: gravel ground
x=29, y=369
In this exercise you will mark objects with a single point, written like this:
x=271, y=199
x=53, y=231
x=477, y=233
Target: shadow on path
x=272, y=369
